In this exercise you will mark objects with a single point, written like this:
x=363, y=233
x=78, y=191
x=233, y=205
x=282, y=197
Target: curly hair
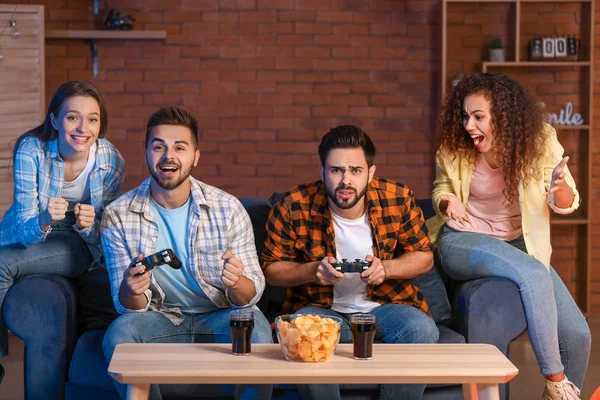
x=517, y=123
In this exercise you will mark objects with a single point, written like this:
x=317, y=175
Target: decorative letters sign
x=566, y=116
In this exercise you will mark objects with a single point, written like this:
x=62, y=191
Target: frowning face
x=346, y=175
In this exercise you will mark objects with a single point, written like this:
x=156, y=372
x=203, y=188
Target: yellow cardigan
x=454, y=177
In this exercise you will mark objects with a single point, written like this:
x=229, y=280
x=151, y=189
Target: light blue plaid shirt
x=39, y=175
x=217, y=222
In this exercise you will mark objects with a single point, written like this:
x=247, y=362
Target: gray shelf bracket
x=94, y=50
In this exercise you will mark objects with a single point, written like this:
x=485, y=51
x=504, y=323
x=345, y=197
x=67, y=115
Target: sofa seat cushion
x=448, y=335
x=88, y=366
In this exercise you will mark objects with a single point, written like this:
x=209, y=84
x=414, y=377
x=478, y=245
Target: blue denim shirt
x=39, y=175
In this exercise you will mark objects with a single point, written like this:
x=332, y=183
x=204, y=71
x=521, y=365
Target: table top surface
x=391, y=363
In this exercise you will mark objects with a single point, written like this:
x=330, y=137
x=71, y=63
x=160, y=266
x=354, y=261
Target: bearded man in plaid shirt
x=351, y=214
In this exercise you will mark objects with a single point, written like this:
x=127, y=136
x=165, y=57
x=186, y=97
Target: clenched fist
x=56, y=211
x=85, y=214
x=232, y=270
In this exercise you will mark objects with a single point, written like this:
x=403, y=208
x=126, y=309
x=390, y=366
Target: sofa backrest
x=273, y=297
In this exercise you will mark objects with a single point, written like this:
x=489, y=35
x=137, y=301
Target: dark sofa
x=62, y=362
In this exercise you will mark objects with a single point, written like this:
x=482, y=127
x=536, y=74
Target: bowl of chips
x=307, y=337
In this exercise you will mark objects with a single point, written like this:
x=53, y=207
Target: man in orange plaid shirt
x=350, y=214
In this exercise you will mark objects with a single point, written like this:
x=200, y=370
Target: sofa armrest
x=41, y=310
x=489, y=310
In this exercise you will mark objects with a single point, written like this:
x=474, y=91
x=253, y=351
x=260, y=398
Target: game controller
x=357, y=265
x=165, y=256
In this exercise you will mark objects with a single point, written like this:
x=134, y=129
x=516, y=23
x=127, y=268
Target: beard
x=341, y=203
x=170, y=183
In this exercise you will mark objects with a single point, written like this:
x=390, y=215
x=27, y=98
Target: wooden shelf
x=568, y=221
x=553, y=64
x=100, y=34
x=519, y=1
x=94, y=35
x=572, y=127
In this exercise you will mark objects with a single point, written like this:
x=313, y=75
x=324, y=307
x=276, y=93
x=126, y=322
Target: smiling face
x=78, y=125
x=171, y=155
x=346, y=176
x=477, y=120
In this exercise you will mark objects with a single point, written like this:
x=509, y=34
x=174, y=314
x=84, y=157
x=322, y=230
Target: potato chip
x=309, y=337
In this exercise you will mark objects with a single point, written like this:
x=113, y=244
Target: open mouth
x=168, y=169
x=477, y=139
x=80, y=139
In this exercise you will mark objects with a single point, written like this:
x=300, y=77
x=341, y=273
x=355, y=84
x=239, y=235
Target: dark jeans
x=63, y=253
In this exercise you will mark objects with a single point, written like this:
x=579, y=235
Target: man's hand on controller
x=233, y=270
x=134, y=280
x=375, y=274
x=326, y=274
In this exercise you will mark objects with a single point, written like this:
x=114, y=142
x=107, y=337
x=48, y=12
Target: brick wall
x=267, y=78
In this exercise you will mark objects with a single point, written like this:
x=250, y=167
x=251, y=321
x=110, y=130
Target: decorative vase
x=497, y=55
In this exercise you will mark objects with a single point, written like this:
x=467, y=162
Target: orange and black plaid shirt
x=299, y=229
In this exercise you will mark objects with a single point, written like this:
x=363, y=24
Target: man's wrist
x=312, y=270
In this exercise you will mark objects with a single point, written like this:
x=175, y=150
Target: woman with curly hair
x=500, y=168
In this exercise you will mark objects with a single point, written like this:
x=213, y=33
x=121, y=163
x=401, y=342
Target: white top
x=78, y=190
x=353, y=239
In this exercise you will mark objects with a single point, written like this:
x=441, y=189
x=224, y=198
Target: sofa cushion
x=431, y=284
x=88, y=366
x=432, y=287
x=258, y=210
x=96, y=310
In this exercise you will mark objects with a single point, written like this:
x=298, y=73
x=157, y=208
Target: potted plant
x=496, y=50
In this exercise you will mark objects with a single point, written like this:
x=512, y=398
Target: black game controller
x=165, y=256
x=357, y=265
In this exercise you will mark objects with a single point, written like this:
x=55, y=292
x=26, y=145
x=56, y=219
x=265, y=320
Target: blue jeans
x=153, y=327
x=559, y=333
x=63, y=253
x=395, y=323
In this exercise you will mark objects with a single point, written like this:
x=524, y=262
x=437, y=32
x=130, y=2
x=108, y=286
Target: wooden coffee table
x=478, y=367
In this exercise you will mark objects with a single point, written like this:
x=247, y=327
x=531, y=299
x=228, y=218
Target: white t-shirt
x=78, y=190
x=353, y=239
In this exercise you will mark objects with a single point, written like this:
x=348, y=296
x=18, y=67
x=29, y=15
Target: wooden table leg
x=470, y=391
x=138, y=392
x=483, y=391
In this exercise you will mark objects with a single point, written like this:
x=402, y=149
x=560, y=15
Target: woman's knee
x=578, y=335
x=535, y=276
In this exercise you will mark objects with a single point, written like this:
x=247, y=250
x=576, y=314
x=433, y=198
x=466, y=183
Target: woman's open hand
x=455, y=209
